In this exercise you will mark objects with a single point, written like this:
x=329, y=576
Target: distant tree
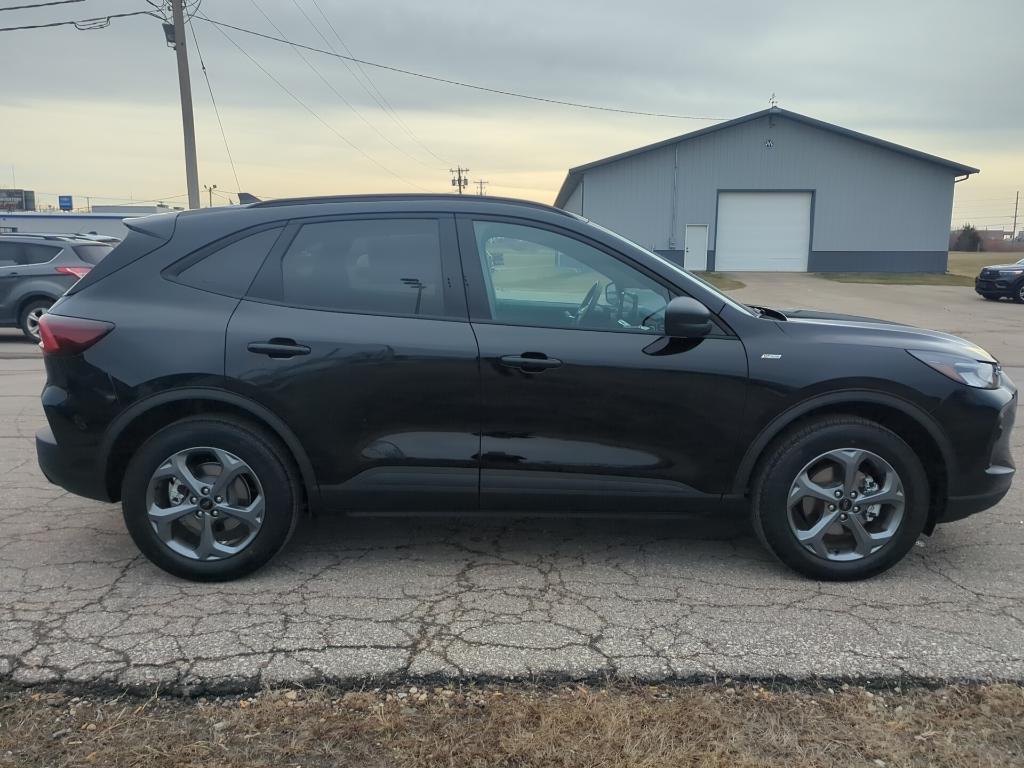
x=968, y=239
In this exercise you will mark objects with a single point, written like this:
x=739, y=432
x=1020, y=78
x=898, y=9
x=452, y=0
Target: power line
x=373, y=91
x=83, y=25
x=459, y=83
x=331, y=87
x=216, y=110
x=351, y=106
x=40, y=5
x=309, y=109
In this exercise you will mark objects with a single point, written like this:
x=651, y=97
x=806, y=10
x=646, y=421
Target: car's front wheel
x=210, y=498
x=840, y=498
x=1018, y=293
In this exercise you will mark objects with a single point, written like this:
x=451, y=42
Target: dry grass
x=723, y=281
x=963, y=267
x=620, y=727
x=970, y=263
x=898, y=278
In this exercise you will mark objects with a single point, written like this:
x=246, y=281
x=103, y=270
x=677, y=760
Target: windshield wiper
x=768, y=311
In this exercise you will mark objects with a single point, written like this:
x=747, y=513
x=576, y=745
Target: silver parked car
x=36, y=270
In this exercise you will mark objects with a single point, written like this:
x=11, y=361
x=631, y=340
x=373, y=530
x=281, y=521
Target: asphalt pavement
x=357, y=600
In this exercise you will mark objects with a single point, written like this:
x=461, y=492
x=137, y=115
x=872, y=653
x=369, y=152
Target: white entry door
x=763, y=231
x=695, y=247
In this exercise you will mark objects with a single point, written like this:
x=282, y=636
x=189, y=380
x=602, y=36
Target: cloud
x=97, y=111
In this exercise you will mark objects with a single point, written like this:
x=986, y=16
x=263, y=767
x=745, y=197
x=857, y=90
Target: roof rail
x=47, y=235
x=401, y=197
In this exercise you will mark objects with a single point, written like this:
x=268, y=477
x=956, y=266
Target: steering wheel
x=588, y=303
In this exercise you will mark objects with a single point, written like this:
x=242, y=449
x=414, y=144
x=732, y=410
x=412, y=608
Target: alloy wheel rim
x=205, y=503
x=32, y=321
x=846, y=504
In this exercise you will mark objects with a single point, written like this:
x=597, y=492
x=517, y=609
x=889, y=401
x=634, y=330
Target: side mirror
x=687, y=318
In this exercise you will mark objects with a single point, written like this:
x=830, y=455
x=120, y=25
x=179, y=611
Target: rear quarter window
x=230, y=269
x=92, y=254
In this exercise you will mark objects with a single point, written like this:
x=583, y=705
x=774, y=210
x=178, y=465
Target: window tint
x=379, y=266
x=92, y=254
x=231, y=269
x=24, y=254
x=537, y=277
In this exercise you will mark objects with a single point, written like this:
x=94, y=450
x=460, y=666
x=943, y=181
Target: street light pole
x=187, y=122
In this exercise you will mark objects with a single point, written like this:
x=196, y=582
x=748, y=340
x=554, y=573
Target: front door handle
x=278, y=348
x=530, y=362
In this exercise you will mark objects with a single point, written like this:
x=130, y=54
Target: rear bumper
x=77, y=474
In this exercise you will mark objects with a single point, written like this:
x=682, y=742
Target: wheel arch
x=910, y=422
x=143, y=418
x=29, y=297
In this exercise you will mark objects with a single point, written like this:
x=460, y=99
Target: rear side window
x=92, y=254
x=374, y=266
x=24, y=254
x=230, y=270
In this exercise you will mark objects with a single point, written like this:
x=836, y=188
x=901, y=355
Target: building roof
x=572, y=178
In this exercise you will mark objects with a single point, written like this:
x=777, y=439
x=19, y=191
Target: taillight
x=59, y=335
x=77, y=272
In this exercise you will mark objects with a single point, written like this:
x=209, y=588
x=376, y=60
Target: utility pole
x=185, y=87
x=460, y=180
x=480, y=184
x=209, y=191
x=1016, y=203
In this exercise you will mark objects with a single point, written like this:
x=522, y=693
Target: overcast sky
x=96, y=113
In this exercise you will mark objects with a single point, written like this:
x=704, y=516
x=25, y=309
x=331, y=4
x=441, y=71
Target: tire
x=850, y=437
x=270, y=476
x=28, y=320
x=1018, y=292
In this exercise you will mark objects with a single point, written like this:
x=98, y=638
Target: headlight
x=974, y=373
x=1010, y=272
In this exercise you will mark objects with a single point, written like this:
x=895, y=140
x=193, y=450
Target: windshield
x=684, y=273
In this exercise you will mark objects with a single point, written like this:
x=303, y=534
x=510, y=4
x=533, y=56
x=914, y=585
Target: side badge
x=771, y=356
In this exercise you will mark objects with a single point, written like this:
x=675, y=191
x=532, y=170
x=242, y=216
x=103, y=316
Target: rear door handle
x=530, y=362
x=278, y=348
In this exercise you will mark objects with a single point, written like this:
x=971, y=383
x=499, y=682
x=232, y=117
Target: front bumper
x=992, y=483
x=994, y=286
x=77, y=474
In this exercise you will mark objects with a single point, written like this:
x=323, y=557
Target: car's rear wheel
x=210, y=498
x=28, y=320
x=841, y=498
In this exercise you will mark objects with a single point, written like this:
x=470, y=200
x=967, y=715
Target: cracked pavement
x=359, y=599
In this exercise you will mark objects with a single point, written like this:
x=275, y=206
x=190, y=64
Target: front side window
x=372, y=266
x=536, y=277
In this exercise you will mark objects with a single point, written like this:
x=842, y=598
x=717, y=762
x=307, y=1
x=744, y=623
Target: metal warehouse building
x=775, y=190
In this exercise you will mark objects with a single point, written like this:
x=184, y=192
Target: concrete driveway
x=352, y=600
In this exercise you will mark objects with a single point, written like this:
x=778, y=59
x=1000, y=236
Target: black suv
x=1001, y=280
x=36, y=269
x=224, y=370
